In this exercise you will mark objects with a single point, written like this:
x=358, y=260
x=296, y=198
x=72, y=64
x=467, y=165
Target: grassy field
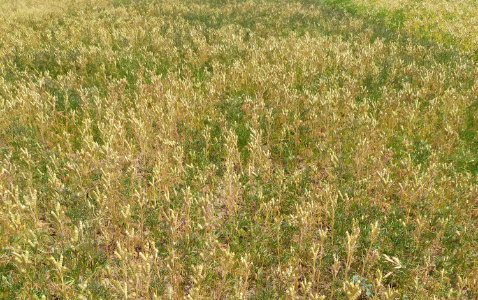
x=208, y=149
x=454, y=23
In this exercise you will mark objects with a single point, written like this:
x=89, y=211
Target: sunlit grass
x=222, y=150
x=452, y=23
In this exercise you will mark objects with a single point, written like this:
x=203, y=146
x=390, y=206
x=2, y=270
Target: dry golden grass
x=222, y=150
x=21, y=10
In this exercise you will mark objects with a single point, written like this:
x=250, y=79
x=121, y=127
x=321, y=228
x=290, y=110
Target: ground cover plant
x=237, y=149
x=451, y=22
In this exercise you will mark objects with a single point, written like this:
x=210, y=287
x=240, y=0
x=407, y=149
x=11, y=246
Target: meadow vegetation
x=208, y=149
x=454, y=23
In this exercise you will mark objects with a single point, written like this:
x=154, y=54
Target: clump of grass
x=256, y=149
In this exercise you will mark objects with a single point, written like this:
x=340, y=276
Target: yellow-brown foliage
x=236, y=149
